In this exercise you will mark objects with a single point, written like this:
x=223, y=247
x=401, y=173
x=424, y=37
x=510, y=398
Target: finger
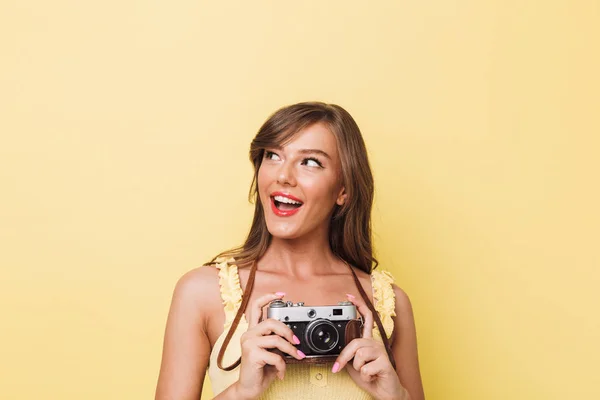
x=277, y=342
x=366, y=377
x=257, y=305
x=363, y=356
x=348, y=353
x=372, y=369
x=271, y=325
x=366, y=314
x=269, y=358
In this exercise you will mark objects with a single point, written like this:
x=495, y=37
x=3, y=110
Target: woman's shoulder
x=201, y=277
x=198, y=288
x=403, y=304
x=205, y=277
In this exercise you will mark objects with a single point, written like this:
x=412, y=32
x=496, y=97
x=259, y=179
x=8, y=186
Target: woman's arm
x=404, y=346
x=186, y=348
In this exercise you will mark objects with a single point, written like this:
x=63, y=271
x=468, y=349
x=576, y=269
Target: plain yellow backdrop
x=125, y=127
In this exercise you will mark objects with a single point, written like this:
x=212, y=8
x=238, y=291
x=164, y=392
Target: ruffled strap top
x=231, y=290
x=384, y=301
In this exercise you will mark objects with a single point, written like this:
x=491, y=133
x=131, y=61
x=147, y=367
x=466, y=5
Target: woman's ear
x=342, y=196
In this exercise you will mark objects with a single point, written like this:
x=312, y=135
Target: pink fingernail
x=296, y=340
x=280, y=293
x=335, y=368
x=350, y=296
x=301, y=354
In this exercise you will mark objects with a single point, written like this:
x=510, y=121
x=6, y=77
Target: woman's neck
x=302, y=258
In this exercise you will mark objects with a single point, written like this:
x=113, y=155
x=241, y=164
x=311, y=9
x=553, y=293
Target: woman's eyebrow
x=315, y=151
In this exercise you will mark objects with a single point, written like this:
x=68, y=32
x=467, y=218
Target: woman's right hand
x=259, y=366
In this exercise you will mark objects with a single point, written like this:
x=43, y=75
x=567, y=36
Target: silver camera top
x=288, y=311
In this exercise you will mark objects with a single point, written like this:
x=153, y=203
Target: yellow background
x=125, y=127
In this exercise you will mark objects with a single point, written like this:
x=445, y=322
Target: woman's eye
x=312, y=162
x=269, y=155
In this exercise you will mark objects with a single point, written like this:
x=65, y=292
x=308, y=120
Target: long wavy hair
x=350, y=225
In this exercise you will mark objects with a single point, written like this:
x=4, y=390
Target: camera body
x=323, y=331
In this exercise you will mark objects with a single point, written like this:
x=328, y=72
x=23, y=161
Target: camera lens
x=321, y=336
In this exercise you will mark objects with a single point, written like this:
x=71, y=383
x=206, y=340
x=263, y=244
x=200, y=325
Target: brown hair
x=350, y=226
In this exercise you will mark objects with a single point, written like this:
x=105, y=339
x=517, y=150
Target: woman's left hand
x=371, y=368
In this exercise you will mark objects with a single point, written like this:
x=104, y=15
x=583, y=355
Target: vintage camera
x=323, y=330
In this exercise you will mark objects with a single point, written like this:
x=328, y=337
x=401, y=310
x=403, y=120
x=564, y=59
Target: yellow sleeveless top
x=306, y=381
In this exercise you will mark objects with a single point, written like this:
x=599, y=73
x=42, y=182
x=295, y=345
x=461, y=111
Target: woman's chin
x=283, y=232
x=283, y=235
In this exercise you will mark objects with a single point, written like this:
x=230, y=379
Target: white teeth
x=287, y=200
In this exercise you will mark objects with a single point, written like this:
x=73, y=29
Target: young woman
x=310, y=242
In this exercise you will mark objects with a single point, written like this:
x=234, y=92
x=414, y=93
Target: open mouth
x=284, y=205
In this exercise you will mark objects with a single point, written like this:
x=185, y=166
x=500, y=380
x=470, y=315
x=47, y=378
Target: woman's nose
x=286, y=175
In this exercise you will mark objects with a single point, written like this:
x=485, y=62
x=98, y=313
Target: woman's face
x=300, y=183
